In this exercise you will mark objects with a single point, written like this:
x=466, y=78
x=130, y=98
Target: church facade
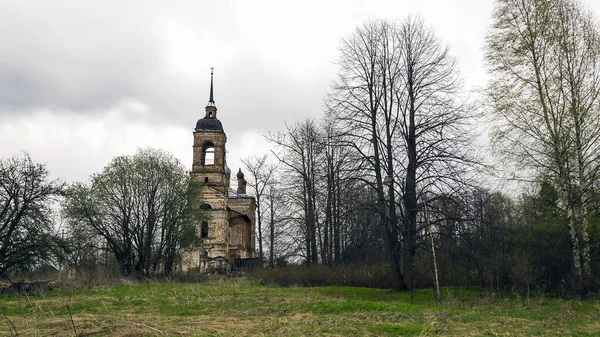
x=228, y=235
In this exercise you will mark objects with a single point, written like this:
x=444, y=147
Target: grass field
x=239, y=307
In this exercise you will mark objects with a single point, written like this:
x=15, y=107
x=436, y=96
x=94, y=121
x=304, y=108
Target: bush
x=373, y=276
x=31, y=288
x=102, y=275
x=191, y=276
x=87, y=278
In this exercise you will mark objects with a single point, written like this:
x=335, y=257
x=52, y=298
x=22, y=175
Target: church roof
x=208, y=123
x=231, y=194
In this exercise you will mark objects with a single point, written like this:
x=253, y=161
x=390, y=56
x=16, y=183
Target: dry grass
x=243, y=308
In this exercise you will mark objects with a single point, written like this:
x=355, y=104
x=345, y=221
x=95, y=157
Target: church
x=228, y=234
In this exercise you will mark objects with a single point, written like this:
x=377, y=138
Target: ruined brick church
x=229, y=233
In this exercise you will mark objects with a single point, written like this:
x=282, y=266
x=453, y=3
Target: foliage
x=144, y=207
x=544, y=58
x=345, y=205
x=397, y=132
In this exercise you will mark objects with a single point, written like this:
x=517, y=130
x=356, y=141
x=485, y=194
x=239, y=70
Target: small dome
x=208, y=123
x=227, y=170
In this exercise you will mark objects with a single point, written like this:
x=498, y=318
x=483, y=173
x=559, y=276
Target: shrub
x=373, y=276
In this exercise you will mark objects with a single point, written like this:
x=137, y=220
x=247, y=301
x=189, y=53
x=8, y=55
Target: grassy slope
x=243, y=308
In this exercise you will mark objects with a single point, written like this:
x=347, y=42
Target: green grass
x=238, y=307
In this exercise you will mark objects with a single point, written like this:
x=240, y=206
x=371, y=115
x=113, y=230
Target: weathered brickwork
x=231, y=227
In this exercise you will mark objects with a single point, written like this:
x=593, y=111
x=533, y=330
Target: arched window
x=204, y=230
x=208, y=154
x=204, y=225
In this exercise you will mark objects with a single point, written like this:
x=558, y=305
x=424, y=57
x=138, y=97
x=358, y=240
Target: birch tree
x=544, y=58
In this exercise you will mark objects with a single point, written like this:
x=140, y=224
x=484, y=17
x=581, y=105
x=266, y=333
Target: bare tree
x=436, y=127
x=300, y=150
x=26, y=197
x=398, y=104
x=276, y=217
x=357, y=103
x=81, y=247
x=261, y=177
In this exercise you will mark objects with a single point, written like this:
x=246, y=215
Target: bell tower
x=209, y=168
x=227, y=236
x=209, y=163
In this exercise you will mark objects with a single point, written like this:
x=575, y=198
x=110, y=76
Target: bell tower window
x=208, y=154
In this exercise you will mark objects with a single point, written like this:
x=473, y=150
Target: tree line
x=138, y=214
x=393, y=171
x=392, y=174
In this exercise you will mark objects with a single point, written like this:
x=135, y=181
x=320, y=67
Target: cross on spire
x=211, y=100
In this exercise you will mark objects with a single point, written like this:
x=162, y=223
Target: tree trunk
x=410, y=193
x=259, y=218
x=272, y=232
x=336, y=212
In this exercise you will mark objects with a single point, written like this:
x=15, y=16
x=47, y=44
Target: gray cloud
x=89, y=57
x=262, y=96
x=80, y=58
x=68, y=67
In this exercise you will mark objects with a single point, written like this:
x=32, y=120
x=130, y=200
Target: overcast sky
x=84, y=81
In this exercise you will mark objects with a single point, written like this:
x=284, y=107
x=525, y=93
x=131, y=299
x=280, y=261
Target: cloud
x=80, y=58
x=87, y=59
x=84, y=81
x=75, y=146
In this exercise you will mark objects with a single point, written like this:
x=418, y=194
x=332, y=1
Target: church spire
x=211, y=101
x=211, y=109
